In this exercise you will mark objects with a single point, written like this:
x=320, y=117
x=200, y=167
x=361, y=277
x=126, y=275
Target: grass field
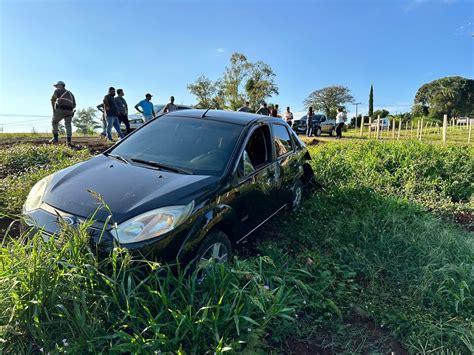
x=371, y=263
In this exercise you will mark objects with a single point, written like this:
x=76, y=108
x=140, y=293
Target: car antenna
x=204, y=114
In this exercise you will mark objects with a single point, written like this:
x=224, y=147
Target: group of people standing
x=269, y=111
x=114, y=110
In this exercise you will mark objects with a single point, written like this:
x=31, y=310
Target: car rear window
x=282, y=140
x=197, y=145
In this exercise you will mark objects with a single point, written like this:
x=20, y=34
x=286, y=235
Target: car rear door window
x=282, y=140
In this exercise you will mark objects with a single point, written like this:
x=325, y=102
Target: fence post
x=393, y=128
x=417, y=129
x=361, y=126
x=411, y=130
x=445, y=128
x=399, y=129
x=378, y=127
x=421, y=129
x=370, y=126
x=470, y=129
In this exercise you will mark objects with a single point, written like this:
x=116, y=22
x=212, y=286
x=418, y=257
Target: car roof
x=240, y=118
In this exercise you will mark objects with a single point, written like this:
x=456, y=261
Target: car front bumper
x=49, y=222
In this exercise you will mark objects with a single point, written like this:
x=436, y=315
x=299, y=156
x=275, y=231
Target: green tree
x=453, y=96
x=329, y=98
x=383, y=113
x=371, y=101
x=204, y=89
x=260, y=84
x=242, y=80
x=84, y=121
x=233, y=80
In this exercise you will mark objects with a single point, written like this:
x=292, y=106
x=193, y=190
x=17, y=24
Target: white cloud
x=220, y=50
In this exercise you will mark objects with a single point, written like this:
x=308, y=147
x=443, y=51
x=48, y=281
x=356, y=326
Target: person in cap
x=111, y=114
x=170, y=106
x=145, y=107
x=63, y=103
x=245, y=108
x=122, y=110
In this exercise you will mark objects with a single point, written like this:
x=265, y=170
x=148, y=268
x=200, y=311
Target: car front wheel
x=215, y=248
x=318, y=131
x=332, y=131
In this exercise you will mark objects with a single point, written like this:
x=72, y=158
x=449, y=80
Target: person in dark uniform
x=63, y=103
x=309, y=122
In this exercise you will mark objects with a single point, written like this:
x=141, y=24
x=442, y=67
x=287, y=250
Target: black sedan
x=187, y=184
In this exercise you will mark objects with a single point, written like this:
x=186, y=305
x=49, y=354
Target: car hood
x=127, y=190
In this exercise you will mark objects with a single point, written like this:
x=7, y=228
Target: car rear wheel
x=297, y=195
x=318, y=131
x=215, y=248
x=332, y=131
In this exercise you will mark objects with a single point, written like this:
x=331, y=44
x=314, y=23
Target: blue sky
x=161, y=46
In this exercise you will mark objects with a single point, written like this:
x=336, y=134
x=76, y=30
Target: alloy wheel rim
x=298, y=197
x=216, y=252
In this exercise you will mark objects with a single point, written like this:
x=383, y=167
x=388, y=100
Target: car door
x=287, y=163
x=256, y=181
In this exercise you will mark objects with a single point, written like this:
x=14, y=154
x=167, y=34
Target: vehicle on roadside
x=138, y=119
x=384, y=124
x=188, y=185
x=134, y=124
x=321, y=124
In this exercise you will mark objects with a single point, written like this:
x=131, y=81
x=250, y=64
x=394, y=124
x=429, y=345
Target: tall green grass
x=58, y=296
x=23, y=165
x=440, y=178
x=367, y=246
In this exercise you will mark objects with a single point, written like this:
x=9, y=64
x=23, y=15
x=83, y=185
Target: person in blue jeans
x=111, y=114
x=145, y=107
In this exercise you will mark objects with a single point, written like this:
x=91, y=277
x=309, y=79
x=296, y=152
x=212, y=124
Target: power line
x=20, y=115
x=29, y=121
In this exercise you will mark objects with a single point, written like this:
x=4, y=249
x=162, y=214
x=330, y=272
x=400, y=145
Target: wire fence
x=458, y=131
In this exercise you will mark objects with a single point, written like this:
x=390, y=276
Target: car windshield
x=188, y=145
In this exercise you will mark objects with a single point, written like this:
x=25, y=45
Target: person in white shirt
x=288, y=116
x=340, y=120
x=170, y=106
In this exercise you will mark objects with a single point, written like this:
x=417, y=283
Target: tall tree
x=382, y=113
x=260, y=84
x=453, y=96
x=84, y=120
x=371, y=101
x=233, y=79
x=204, y=89
x=329, y=98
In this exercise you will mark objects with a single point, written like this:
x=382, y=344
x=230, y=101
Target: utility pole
x=356, y=105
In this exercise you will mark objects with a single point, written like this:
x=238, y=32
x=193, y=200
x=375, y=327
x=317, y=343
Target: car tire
x=297, y=193
x=318, y=132
x=214, y=247
x=332, y=131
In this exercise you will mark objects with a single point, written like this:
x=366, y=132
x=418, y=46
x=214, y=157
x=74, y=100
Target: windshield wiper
x=118, y=157
x=162, y=166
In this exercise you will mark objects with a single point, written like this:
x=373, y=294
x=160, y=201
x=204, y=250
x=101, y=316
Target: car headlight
x=35, y=197
x=152, y=224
